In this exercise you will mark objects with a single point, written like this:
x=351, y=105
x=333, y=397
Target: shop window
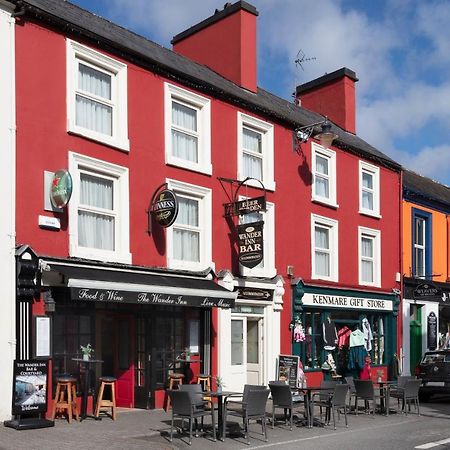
x=324, y=248
x=189, y=239
x=324, y=175
x=422, y=242
x=188, y=129
x=99, y=210
x=255, y=151
x=369, y=189
x=312, y=348
x=96, y=96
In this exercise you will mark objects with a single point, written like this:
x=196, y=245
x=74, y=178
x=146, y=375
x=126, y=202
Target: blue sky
x=399, y=49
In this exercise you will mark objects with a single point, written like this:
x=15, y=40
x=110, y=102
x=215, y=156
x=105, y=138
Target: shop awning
x=102, y=284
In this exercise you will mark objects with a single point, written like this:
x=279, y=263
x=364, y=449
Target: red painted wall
x=227, y=46
x=43, y=144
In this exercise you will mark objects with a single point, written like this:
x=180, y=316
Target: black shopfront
x=138, y=322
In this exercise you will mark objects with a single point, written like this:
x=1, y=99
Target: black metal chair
x=408, y=393
x=366, y=391
x=233, y=403
x=196, y=393
x=401, y=382
x=281, y=398
x=323, y=399
x=339, y=401
x=253, y=408
x=352, y=391
x=185, y=406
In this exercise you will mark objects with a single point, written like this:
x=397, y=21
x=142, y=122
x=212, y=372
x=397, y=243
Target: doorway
x=415, y=335
x=246, y=351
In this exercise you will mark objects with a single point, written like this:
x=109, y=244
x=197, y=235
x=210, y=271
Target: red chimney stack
x=332, y=95
x=225, y=42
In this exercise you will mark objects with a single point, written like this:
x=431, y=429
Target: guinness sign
x=165, y=208
x=250, y=242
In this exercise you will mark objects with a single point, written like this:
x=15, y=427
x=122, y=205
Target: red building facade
x=124, y=116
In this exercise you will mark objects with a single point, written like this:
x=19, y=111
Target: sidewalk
x=141, y=429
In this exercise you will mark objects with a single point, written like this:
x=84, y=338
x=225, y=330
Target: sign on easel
x=288, y=369
x=30, y=388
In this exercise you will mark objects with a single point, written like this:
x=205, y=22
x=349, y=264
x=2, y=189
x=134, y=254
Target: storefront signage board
x=61, y=188
x=250, y=243
x=342, y=301
x=288, y=369
x=254, y=294
x=250, y=205
x=165, y=208
x=432, y=331
x=147, y=298
x=426, y=291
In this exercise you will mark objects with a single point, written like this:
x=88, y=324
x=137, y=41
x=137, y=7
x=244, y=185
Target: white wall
x=427, y=307
x=7, y=206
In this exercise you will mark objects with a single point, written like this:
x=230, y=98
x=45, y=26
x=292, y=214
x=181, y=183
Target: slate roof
x=418, y=187
x=75, y=21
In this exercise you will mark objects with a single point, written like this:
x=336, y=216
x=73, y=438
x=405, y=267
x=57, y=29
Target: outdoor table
x=88, y=363
x=385, y=388
x=221, y=396
x=186, y=366
x=309, y=405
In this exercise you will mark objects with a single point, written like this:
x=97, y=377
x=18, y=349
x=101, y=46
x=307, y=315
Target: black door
x=142, y=390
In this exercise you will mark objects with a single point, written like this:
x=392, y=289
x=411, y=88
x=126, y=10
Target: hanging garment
x=368, y=337
x=299, y=333
x=329, y=335
x=344, y=336
x=356, y=357
x=357, y=338
x=365, y=373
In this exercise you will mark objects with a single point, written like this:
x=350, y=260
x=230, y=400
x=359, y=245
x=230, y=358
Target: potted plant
x=87, y=351
x=219, y=383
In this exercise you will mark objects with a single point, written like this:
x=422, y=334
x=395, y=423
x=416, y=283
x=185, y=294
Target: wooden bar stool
x=205, y=381
x=66, y=397
x=106, y=403
x=175, y=379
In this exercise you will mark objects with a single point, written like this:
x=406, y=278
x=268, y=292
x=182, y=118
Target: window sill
x=189, y=266
x=120, y=144
x=258, y=273
x=325, y=202
x=99, y=255
x=375, y=215
x=318, y=277
x=268, y=185
x=187, y=165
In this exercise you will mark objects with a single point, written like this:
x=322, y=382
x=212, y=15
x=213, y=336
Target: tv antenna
x=302, y=58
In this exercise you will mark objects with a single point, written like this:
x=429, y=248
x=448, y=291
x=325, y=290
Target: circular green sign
x=61, y=188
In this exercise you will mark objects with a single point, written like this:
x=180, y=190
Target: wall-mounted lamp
x=325, y=136
x=49, y=302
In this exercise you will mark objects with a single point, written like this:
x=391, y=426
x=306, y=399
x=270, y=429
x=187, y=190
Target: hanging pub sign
x=432, y=331
x=163, y=207
x=250, y=242
x=250, y=205
x=426, y=290
x=61, y=188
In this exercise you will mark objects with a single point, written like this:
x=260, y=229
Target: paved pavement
x=140, y=429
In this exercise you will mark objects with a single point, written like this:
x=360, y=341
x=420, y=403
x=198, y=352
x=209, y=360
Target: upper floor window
x=187, y=129
x=266, y=268
x=369, y=257
x=324, y=175
x=189, y=238
x=421, y=234
x=369, y=189
x=96, y=96
x=255, y=151
x=324, y=248
x=99, y=210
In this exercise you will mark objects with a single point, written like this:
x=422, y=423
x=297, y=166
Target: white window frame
x=333, y=226
x=269, y=270
x=80, y=163
x=267, y=149
x=330, y=155
x=375, y=172
x=119, y=96
x=203, y=107
x=204, y=195
x=375, y=235
x=416, y=246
